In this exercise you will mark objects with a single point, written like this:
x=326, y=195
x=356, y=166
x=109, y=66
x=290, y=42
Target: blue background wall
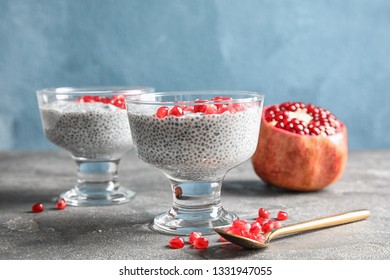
x=333, y=53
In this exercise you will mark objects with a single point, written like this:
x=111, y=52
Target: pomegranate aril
x=37, y=208
x=255, y=228
x=268, y=226
x=162, y=112
x=200, y=108
x=261, y=220
x=188, y=108
x=282, y=215
x=61, y=204
x=210, y=109
x=277, y=224
x=236, y=231
x=241, y=224
x=201, y=243
x=193, y=236
x=176, y=111
x=176, y=242
x=264, y=213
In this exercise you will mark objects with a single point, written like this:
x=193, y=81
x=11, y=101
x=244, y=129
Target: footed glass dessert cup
x=92, y=125
x=195, y=138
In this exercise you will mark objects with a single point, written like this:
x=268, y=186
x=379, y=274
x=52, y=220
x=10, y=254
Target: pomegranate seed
x=241, y=224
x=37, y=208
x=61, y=204
x=162, y=112
x=236, y=231
x=238, y=107
x=255, y=228
x=282, y=215
x=201, y=243
x=188, y=108
x=176, y=111
x=264, y=213
x=194, y=235
x=222, y=108
x=119, y=102
x=105, y=100
x=200, y=108
x=176, y=242
x=268, y=226
x=277, y=224
x=211, y=109
x=261, y=220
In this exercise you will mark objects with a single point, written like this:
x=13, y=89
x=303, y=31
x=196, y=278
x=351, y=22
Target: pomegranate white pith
x=304, y=149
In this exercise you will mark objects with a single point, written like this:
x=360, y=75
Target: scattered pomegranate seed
x=162, y=112
x=282, y=216
x=37, y=208
x=176, y=242
x=61, y=204
x=201, y=243
x=264, y=213
x=193, y=236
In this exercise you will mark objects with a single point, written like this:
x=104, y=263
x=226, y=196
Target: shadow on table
x=242, y=188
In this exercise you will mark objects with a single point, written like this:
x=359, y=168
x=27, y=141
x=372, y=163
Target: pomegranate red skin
x=299, y=162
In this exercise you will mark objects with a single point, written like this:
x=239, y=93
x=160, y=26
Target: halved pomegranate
x=301, y=147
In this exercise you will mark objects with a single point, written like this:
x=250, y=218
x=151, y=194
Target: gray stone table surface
x=123, y=232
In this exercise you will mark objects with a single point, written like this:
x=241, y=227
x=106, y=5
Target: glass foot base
x=182, y=222
x=75, y=197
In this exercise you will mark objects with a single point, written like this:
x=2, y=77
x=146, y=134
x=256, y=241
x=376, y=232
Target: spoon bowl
x=328, y=221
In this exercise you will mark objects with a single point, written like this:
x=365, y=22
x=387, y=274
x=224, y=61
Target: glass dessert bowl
x=92, y=125
x=195, y=138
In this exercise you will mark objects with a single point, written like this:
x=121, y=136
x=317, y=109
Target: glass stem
x=97, y=178
x=200, y=196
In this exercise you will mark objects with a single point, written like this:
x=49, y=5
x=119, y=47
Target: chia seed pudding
x=87, y=130
x=195, y=146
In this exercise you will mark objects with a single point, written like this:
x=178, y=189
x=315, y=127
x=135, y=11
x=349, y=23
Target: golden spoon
x=334, y=220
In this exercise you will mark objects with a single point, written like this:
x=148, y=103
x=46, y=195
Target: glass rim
x=246, y=97
x=94, y=90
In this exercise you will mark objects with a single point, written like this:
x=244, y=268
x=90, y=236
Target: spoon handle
x=334, y=220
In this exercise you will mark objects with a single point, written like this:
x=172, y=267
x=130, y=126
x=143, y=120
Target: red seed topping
x=176, y=111
x=216, y=105
x=37, y=208
x=176, y=242
x=61, y=204
x=201, y=243
x=118, y=101
x=282, y=216
x=162, y=112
